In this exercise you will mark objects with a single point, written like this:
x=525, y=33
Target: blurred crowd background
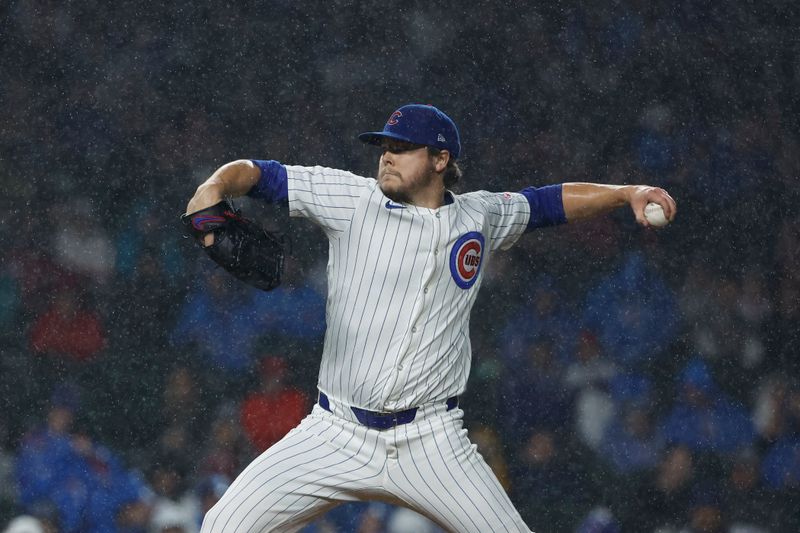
x=623, y=379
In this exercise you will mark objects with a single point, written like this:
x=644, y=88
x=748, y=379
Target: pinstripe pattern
x=397, y=337
x=429, y=466
x=397, y=332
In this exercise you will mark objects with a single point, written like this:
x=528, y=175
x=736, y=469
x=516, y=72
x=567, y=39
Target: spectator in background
x=182, y=419
x=633, y=311
x=709, y=302
x=209, y=490
x=780, y=474
x=375, y=518
x=754, y=310
x=552, y=481
x=268, y=413
x=543, y=315
x=587, y=378
x=704, y=419
x=148, y=266
x=696, y=302
x=403, y=520
x=141, y=326
x=781, y=465
x=175, y=506
x=226, y=450
x=68, y=331
x=48, y=472
x=84, y=482
x=599, y=520
x=8, y=486
x=705, y=510
x=536, y=396
x=630, y=443
x=771, y=411
x=133, y=516
x=44, y=515
x=491, y=448
x=225, y=350
x=182, y=403
x=657, y=143
x=295, y=310
x=665, y=500
x=39, y=275
x=118, y=499
x=176, y=440
x=26, y=524
x=142, y=235
x=372, y=519
x=81, y=244
x=488, y=391
x=746, y=502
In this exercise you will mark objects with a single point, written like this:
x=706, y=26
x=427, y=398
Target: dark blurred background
x=623, y=379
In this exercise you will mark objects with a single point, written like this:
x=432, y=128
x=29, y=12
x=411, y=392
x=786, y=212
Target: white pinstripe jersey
x=402, y=280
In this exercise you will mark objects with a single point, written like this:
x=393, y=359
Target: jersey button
x=438, y=215
x=414, y=329
x=436, y=252
x=400, y=367
x=425, y=290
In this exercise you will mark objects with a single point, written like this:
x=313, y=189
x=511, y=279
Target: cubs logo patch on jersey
x=465, y=259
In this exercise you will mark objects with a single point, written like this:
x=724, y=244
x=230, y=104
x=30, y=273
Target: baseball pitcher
x=406, y=261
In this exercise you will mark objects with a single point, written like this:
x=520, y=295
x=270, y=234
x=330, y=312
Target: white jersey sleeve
x=326, y=196
x=506, y=214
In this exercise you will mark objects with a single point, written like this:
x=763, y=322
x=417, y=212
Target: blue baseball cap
x=419, y=124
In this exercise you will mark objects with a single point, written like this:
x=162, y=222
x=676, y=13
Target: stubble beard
x=402, y=194
x=397, y=194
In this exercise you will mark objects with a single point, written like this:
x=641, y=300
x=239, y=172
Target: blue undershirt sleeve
x=273, y=186
x=547, y=209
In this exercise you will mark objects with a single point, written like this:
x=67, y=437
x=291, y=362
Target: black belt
x=379, y=420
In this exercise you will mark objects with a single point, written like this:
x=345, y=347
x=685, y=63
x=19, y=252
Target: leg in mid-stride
x=315, y=467
x=439, y=473
x=428, y=466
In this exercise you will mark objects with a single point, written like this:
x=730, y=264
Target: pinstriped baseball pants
x=428, y=465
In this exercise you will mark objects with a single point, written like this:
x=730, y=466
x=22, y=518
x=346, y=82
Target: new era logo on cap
x=419, y=124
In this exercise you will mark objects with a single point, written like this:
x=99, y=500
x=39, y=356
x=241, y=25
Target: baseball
x=655, y=215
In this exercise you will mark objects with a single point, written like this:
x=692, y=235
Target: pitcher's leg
x=315, y=467
x=440, y=474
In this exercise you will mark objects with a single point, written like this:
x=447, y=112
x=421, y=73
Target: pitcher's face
x=404, y=170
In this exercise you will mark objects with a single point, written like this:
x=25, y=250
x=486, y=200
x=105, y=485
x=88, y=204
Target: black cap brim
x=375, y=137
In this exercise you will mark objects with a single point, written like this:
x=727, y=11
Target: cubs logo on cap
x=465, y=259
x=419, y=124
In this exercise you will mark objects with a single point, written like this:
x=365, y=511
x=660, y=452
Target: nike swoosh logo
x=390, y=205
